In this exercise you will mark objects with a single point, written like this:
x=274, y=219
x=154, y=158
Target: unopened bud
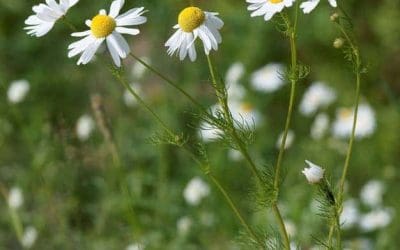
x=338, y=43
x=334, y=17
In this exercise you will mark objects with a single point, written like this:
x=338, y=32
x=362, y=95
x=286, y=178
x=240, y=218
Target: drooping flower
x=372, y=192
x=46, y=15
x=195, y=191
x=195, y=23
x=313, y=173
x=310, y=5
x=319, y=126
x=17, y=91
x=15, y=198
x=289, y=140
x=108, y=28
x=318, y=95
x=267, y=8
x=84, y=127
x=269, y=78
x=366, y=122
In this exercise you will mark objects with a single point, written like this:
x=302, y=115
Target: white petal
x=115, y=8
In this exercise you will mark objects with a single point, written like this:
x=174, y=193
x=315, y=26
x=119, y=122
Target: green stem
x=282, y=228
x=16, y=222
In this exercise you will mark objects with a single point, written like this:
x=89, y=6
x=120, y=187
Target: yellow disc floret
x=102, y=26
x=191, y=18
x=276, y=1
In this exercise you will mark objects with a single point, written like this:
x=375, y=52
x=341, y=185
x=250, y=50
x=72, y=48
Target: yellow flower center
x=247, y=107
x=276, y=1
x=345, y=113
x=191, y=18
x=102, y=26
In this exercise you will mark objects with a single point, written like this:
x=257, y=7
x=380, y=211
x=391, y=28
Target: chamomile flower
x=269, y=78
x=84, y=127
x=310, y=5
x=108, y=28
x=350, y=214
x=267, y=8
x=46, y=15
x=195, y=23
x=313, y=173
x=195, y=191
x=17, y=91
x=319, y=126
x=318, y=95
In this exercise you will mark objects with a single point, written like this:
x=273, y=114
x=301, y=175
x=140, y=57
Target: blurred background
x=60, y=185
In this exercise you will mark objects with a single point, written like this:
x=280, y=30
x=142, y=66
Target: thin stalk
x=282, y=228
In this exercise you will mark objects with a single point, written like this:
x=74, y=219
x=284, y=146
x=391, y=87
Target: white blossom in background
x=234, y=155
x=138, y=69
x=310, y=5
x=314, y=173
x=183, y=225
x=267, y=8
x=376, y=219
x=289, y=139
x=235, y=90
x=195, y=191
x=46, y=15
x=290, y=228
x=319, y=126
x=129, y=99
x=269, y=78
x=15, y=198
x=372, y=192
x=359, y=244
x=17, y=91
x=317, y=96
x=209, y=133
x=84, y=127
x=366, y=122
x=245, y=113
x=350, y=214
x=29, y=237
x=235, y=72
x=135, y=246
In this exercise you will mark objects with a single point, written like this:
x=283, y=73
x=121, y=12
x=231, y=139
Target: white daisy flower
x=46, y=15
x=310, y=5
x=208, y=132
x=318, y=95
x=267, y=8
x=17, y=91
x=319, y=126
x=195, y=191
x=15, y=198
x=372, y=192
x=289, y=139
x=350, y=214
x=84, y=127
x=314, y=173
x=376, y=219
x=29, y=237
x=366, y=122
x=269, y=78
x=193, y=23
x=107, y=28
x=244, y=113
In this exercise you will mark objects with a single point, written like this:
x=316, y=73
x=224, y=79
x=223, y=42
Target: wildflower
x=319, y=126
x=84, y=127
x=107, y=28
x=269, y=78
x=318, y=95
x=289, y=140
x=314, y=173
x=235, y=91
x=15, y=198
x=29, y=237
x=193, y=23
x=135, y=246
x=17, y=91
x=244, y=113
x=350, y=214
x=209, y=132
x=46, y=15
x=310, y=5
x=376, y=219
x=183, y=225
x=129, y=99
x=234, y=155
x=338, y=43
x=366, y=122
x=372, y=192
x=195, y=191
x=267, y=8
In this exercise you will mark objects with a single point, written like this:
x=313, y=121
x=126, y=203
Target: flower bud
x=314, y=173
x=338, y=43
x=334, y=17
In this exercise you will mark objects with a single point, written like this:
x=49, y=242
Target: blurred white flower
x=234, y=73
x=318, y=95
x=208, y=132
x=129, y=99
x=319, y=126
x=372, y=192
x=234, y=155
x=310, y=5
x=314, y=173
x=195, y=23
x=29, y=237
x=376, y=219
x=84, y=127
x=135, y=246
x=267, y=8
x=269, y=78
x=290, y=228
x=244, y=113
x=350, y=214
x=139, y=69
x=289, y=139
x=183, y=225
x=195, y=191
x=359, y=243
x=15, y=198
x=366, y=122
x=17, y=91
x=46, y=15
